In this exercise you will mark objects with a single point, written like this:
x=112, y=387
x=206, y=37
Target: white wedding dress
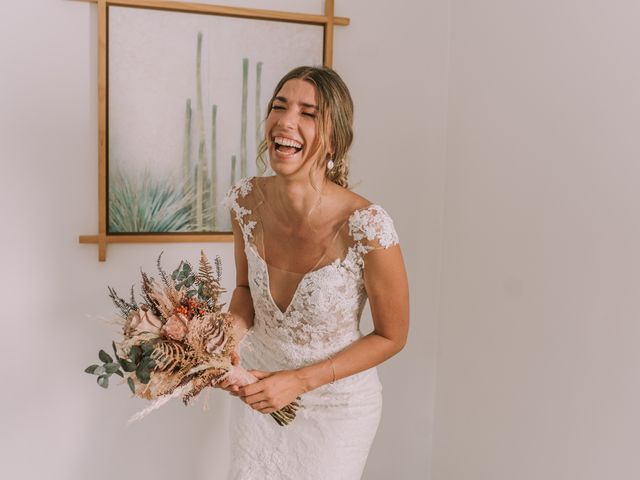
x=335, y=426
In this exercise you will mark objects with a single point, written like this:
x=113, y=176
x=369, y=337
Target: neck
x=297, y=197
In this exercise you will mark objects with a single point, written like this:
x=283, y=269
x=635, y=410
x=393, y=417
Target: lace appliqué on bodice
x=324, y=314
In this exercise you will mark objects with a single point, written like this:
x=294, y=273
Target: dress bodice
x=323, y=315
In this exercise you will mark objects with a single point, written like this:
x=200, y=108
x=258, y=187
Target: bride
x=308, y=253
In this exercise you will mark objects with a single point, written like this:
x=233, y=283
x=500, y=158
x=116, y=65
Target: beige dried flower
x=144, y=320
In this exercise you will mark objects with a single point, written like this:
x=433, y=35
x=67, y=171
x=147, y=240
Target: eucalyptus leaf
x=100, y=370
x=119, y=373
x=147, y=363
x=91, y=369
x=103, y=381
x=105, y=357
x=132, y=385
x=128, y=366
x=186, y=267
x=147, y=348
x=135, y=353
x=190, y=281
x=143, y=374
x=112, y=367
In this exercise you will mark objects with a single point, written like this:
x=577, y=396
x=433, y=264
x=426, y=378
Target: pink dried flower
x=176, y=327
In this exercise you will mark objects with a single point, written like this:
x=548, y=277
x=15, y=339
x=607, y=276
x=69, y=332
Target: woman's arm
x=385, y=280
x=241, y=304
x=386, y=284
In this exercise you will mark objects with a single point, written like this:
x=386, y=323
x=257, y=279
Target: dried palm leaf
x=170, y=355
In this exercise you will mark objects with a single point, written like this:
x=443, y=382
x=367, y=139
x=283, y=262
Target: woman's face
x=291, y=128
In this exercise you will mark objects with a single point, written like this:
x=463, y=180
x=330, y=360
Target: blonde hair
x=334, y=119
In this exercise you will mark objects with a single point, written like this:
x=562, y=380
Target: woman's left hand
x=272, y=391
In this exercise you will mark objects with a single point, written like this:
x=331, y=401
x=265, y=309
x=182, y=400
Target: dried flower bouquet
x=178, y=341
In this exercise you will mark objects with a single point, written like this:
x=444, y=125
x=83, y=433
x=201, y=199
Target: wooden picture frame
x=162, y=169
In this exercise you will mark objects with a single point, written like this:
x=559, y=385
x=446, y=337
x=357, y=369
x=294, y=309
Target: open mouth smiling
x=286, y=145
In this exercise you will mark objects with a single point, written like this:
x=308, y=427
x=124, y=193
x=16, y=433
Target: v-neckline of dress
x=304, y=276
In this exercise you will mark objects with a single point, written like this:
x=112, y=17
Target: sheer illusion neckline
x=262, y=200
x=302, y=276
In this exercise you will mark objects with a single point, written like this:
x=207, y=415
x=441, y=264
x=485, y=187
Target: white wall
x=394, y=60
x=532, y=278
x=538, y=359
x=56, y=423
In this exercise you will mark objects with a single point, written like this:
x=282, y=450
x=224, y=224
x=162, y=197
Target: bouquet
x=178, y=341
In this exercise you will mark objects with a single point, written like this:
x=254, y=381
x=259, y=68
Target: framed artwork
x=182, y=96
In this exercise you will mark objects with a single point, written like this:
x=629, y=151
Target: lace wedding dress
x=333, y=430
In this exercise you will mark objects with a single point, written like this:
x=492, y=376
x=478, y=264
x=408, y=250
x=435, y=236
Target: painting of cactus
x=187, y=97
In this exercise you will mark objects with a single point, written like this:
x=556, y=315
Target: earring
x=330, y=164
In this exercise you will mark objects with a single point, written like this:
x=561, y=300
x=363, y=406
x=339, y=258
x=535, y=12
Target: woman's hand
x=273, y=390
x=228, y=384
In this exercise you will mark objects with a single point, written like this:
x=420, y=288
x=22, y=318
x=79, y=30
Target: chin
x=286, y=165
x=285, y=170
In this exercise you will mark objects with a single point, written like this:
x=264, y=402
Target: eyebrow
x=306, y=105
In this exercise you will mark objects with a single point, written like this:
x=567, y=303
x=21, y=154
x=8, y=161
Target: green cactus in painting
x=213, y=201
x=186, y=150
x=233, y=170
x=243, y=125
x=202, y=181
x=202, y=175
x=259, y=134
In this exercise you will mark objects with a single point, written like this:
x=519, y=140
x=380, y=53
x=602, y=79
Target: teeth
x=286, y=142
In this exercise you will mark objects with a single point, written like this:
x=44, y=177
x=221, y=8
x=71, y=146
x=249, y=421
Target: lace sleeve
x=372, y=229
x=236, y=200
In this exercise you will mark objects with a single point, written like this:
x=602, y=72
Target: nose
x=287, y=119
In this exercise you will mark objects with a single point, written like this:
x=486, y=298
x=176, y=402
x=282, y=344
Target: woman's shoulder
x=243, y=194
x=368, y=223
x=346, y=200
x=240, y=189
